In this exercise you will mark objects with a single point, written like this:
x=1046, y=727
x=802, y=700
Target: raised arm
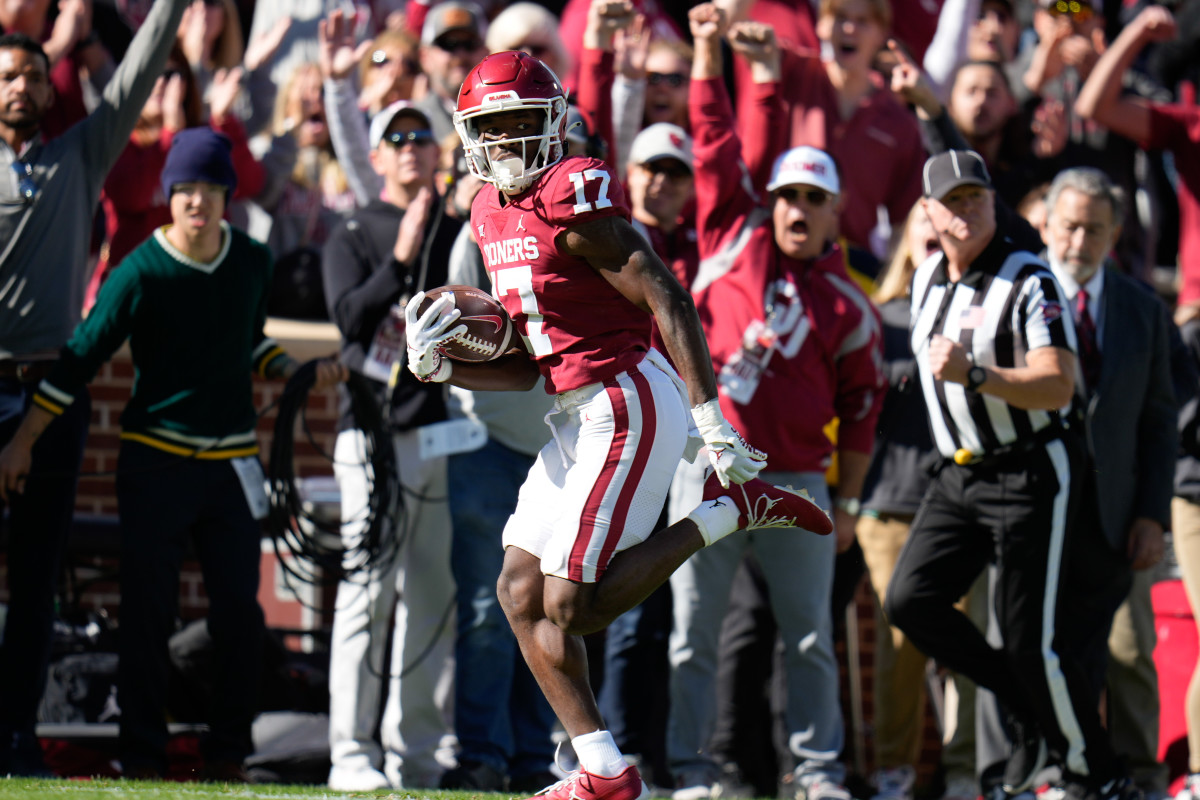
x=1100, y=98
x=337, y=57
x=105, y=132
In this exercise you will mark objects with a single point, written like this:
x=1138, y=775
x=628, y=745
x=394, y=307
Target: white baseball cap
x=661, y=140
x=806, y=166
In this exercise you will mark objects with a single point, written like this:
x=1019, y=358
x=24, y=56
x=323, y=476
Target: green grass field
x=38, y=789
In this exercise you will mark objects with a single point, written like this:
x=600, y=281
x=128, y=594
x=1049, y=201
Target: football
x=489, y=330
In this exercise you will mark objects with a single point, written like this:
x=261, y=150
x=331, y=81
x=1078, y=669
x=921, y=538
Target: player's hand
x=426, y=333
x=731, y=458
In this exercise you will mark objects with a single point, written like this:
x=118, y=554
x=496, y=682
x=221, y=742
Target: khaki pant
x=1132, y=680
x=899, y=677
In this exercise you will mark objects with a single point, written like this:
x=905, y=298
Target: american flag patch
x=1051, y=310
x=972, y=317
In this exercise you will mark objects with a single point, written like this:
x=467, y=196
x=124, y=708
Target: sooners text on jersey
x=574, y=323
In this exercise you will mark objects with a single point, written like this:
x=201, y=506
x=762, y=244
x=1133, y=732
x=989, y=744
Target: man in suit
x=1125, y=400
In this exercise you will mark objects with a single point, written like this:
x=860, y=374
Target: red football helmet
x=509, y=81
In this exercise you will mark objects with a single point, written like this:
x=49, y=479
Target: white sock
x=715, y=519
x=598, y=754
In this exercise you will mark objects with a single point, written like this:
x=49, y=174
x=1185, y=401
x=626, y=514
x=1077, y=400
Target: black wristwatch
x=976, y=377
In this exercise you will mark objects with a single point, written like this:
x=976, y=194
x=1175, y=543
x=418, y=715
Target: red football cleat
x=762, y=505
x=583, y=785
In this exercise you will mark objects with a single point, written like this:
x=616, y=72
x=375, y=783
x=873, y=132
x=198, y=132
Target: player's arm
x=514, y=372
x=625, y=259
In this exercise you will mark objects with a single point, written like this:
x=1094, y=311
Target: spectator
x=784, y=321
x=134, y=205
x=395, y=247
x=305, y=194
x=45, y=217
x=981, y=115
x=1125, y=361
x=659, y=24
x=388, y=72
x=1153, y=126
x=572, y=564
x=841, y=106
x=533, y=29
x=1003, y=488
x=188, y=469
x=70, y=46
x=452, y=41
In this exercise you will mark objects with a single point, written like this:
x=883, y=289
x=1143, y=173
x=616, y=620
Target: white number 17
x=582, y=204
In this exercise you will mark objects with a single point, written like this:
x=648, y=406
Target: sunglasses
x=672, y=171
x=814, y=197
x=25, y=185
x=458, y=45
x=398, y=139
x=1072, y=8
x=380, y=58
x=672, y=79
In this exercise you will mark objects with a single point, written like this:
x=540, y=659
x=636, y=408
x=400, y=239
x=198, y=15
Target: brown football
x=489, y=330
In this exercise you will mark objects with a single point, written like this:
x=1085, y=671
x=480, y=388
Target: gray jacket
x=44, y=241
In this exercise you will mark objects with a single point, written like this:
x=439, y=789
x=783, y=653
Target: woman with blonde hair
x=389, y=71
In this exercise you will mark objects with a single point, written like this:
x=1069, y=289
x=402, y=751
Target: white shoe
x=961, y=789
x=821, y=788
x=357, y=779
x=696, y=784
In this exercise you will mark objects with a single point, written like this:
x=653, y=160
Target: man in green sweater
x=192, y=301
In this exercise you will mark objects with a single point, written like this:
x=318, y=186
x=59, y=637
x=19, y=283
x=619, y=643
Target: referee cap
x=947, y=171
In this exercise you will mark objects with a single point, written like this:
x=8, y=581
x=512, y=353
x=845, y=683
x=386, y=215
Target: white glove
x=731, y=458
x=425, y=335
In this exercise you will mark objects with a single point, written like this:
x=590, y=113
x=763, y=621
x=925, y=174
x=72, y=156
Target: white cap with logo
x=661, y=140
x=805, y=166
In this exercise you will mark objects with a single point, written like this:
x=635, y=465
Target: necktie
x=1089, y=350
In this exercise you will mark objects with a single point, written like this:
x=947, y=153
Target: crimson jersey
x=577, y=327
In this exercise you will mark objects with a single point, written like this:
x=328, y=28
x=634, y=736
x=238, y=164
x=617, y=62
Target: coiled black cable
x=311, y=550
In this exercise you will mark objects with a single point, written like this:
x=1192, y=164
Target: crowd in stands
x=1072, y=124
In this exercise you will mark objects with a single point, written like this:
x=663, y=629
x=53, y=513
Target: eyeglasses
x=398, y=139
x=461, y=45
x=814, y=197
x=25, y=185
x=672, y=79
x=1078, y=11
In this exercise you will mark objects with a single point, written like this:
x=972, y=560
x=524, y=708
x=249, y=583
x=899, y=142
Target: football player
x=581, y=285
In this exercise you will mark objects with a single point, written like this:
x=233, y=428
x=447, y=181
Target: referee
x=995, y=353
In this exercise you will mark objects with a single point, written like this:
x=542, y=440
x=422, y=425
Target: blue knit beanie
x=199, y=154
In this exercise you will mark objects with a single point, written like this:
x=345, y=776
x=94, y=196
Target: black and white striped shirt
x=1007, y=304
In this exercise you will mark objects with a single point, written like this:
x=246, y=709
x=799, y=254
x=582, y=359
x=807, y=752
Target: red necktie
x=1089, y=350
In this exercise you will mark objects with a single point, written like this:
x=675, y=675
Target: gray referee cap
x=947, y=171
